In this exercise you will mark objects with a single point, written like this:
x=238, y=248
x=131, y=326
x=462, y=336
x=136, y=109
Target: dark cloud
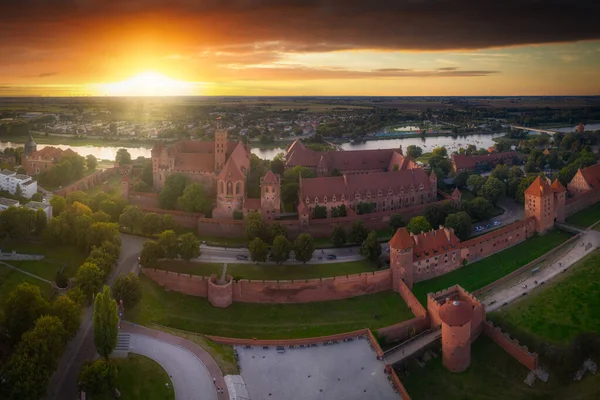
x=306, y=25
x=47, y=74
x=447, y=69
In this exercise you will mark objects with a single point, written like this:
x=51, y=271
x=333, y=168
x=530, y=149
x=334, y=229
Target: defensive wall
x=511, y=346
x=581, y=202
x=89, y=181
x=437, y=299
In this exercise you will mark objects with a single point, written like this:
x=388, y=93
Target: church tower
x=270, y=194
x=220, y=146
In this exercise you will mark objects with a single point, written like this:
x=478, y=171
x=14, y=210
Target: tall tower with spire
x=30, y=146
x=220, y=146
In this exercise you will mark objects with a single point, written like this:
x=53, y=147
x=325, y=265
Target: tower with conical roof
x=30, y=146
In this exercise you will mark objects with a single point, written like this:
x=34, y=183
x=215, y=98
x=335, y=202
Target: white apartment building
x=5, y=203
x=9, y=180
x=36, y=205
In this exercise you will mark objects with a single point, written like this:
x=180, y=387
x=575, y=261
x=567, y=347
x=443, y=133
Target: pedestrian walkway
x=170, y=358
x=411, y=346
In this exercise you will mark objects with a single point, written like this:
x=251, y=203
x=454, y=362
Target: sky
x=299, y=47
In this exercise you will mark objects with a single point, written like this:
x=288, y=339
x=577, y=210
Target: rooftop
x=36, y=205
x=456, y=312
x=7, y=172
x=8, y=202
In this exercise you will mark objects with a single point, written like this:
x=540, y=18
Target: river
x=427, y=143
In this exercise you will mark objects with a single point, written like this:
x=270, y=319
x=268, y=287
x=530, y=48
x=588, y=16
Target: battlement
x=511, y=346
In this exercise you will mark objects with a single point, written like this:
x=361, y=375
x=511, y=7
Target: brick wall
x=144, y=200
x=397, y=383
x=437, y=299
x=581, y=202
x=511, y=346
x=222, y=227
x=404, y=330
x=220, y=295
x=411, y=301
x=88, y=182
x=188, y=284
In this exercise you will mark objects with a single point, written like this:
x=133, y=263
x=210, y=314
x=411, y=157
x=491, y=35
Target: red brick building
x=545, y=202
x=585, y=180
x=467, y=163
x=40, y=161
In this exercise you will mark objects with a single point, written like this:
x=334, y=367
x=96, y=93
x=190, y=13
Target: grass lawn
x=269, y=271
x=223, y=241
x=483, y=272
x=9, y=279
x=493, y=374
x=586, y=217
x=70, y=257
x=266, y=321
x=563, y=309
x=114, y=182
x=141, y=378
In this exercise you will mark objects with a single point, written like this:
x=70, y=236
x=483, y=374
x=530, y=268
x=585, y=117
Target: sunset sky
x=299, y=47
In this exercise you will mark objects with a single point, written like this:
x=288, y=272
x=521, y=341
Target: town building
x=580, y=128
x=5, y=203
x=8, y=159
x=585, y=180
x=468, y=163
x=10, y=182
x=545, y=202
x=36, y=162
x=36, y=205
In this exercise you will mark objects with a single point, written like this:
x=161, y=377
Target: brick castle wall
x=403, y=330
x=144, y=200
x=88, y=182
x=189, y=284
x=220, y=295
x=581, y=202
x=511, y=346
x=437, y=299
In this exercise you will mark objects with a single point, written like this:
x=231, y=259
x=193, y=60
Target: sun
x=148, y=84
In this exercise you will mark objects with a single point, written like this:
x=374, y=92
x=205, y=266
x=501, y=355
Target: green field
x=481, y=273
x=115, y=187
x=493, y=374
x=10, y=279
x=562, y=310
x=269, y=271
x=140, y=378
x=266, y=321
x=586, y=217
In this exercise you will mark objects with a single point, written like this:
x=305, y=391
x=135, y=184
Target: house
x=36, y=205
x=585, y=179
x=469, y=163
x=5, y=203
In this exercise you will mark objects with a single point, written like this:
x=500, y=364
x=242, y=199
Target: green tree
x=69, y=314
x=127, y=288
x=278, y=230
x=89, y=279
x=106, y=323
x=418, y=224
x=100, y=232
x=131, y=218
x=91, y=162
x=189, y=246
x=98, y=377
x=414, y=151
x=37, y=196
x=370, y=248
x=255, y=227
x=461, y=223
x=440, y=152
x=304, y=247
x=173, y=189
x=338, y=236
x=492, y=189
x=19, y=190
x=168, y=223
x=123, y=157
x=23, y=307
x=475, y=182
x=523, y=185
x=358, y=232
x=41, y=221
x=168, y=241
x=194, y=199
x=500, y=172
x=280, y=251
x=435, y=214
x=102, y=259
x=152, y=224
x=59, y=204
x=320, y=212
x=101, y=216
x=479, y=208
x=151, y=253
x=258, y=250
x=396, y=222
x=77, y=195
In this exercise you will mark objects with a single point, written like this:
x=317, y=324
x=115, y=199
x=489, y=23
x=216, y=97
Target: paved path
x=515, y=289
x=190, y=367
x=410, y=347
x=26, y=273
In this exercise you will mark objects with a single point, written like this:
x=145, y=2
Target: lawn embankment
x=10, y=279
x=140, y=377
x=269, y=271
x=560, y=311
x=585, y=217
x=481, y=273
x=266, y=321
x=493, y=374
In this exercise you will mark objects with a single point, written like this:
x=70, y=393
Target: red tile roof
x=401, y=240
x=439, y=241
x=463, y=161
x=591, y=175
x=557, y=186
x=270, y=177
x=456, y=312
x=539, y=188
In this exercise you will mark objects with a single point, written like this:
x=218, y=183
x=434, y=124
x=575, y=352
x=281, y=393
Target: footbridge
x=524, y=128
x=411, y=346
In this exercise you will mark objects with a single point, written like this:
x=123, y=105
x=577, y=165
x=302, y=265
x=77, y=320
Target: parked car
x=331, y=257
x=496, y=222
x=241, y=257
x=488, y=226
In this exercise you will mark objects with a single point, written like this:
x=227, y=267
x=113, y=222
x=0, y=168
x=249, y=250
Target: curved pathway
x=190, y=367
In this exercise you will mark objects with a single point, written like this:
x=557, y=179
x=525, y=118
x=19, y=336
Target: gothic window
x=267, y=189
x=229, y=189
x=238, y=188
x=222, y=191
x=325, y=199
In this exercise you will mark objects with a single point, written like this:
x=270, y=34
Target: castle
x=36, y=162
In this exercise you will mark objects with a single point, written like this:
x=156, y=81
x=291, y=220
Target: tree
x=189, y=246
x=461, y=179
x=194, y=199
x=278, y=166
x=435, y=214
x=461, y=223
x=492, y=189
x=77, y=195
x=123, y=157
x=418, y=224
x=173, y=189
x=100, y=232
x=304, y=247
x=255, y=227
x=278, y=230
x=99, y=376
x=280, y=251
x=370, y=248
x=19, y=191
x=168, y=223
x=167, y=240
x=23, y=307
x=106, y=323
x=102, y=259
x=479, y=208
x=151, y=224
x=69, y=313
x=440, y=152
x=524, y=183
x=89, y=279
x=414, y=151
x=320, y=212
x=151, y=253
x=59, y=204
x=37, y=196
x=41, y=221
x=358, y=232
x=475, y=182
x=127, y=288
x=338, y=236
x=396, y=222
x=101, y=216
x=258, y=250
x=501, y=172
x=131, y=218
x=91, y=162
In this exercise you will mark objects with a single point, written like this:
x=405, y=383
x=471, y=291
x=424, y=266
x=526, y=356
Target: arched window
x=222, y=191
x=229, y=188
x=238, y=188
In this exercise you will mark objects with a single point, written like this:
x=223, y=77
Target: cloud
x=447, y=69
x=568, y=58
x=47, y=74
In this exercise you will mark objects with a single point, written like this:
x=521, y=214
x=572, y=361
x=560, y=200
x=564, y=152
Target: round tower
x=456, y=335
x=30, y=147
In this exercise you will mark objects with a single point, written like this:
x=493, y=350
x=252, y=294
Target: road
x=63, y=383
x=513, y=212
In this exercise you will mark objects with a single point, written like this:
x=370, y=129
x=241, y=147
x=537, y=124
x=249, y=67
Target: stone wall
x=437, y=299
x=144, y=200
x=88, y=182
x=411, y=301
x=220, y=295
x=581, y=202
x=511, y=346
x=189, y=284
x=403, y=330
x=222, y=227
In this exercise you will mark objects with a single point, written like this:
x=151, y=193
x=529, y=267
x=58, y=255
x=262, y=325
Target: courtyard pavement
x=342, y=371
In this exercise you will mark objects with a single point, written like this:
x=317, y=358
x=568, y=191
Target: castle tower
x=539, y=203
x=270, y=195
x=433, y=184
x=30, y=147
x=560, y=198
x=401, y=258
x=220, y=146
x=456, y=318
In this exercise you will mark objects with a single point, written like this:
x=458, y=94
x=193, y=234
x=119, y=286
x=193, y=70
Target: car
x=496, y=222
x=488, y=226
x=241, y=257
x=331, y=257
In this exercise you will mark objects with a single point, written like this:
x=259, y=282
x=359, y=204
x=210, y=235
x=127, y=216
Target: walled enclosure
x=511, y=346
x=90, y=181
